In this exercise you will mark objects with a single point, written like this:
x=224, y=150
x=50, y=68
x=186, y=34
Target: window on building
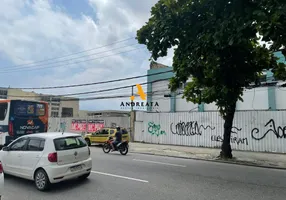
x=67, y=112
x=55, y=108
x=54, y=114
x=45, y=98
x=3, y=94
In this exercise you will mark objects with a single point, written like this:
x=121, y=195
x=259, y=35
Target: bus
x=21, y=117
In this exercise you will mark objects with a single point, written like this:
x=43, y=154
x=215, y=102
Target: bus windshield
x=29, y=109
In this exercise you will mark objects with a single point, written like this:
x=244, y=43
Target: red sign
x=92, y=125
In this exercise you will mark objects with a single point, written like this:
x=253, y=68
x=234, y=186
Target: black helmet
x=117, y=128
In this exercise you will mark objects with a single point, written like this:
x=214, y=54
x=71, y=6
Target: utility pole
x=132, y=95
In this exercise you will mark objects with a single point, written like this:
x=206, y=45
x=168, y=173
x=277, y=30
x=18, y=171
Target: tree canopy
x=216, y=42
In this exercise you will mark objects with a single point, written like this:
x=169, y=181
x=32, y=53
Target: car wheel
x=41, y=179
x=84, y=176
x=88, y=142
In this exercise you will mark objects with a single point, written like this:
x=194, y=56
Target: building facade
x=58, y=106
x=270, y=97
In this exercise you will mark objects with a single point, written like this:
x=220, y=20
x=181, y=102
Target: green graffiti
x=154, y=129
x=63, y=126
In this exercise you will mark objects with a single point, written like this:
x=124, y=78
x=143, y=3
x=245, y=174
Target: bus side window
x=3, y=110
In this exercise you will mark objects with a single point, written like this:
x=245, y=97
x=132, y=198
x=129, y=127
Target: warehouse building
x=270, y=97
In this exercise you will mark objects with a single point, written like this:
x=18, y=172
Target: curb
x=216, y=161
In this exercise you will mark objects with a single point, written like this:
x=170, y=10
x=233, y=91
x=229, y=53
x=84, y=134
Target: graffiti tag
x=234, y=140
x=235, y=129
x=189, y=128
x=154, y=129
x=279, y=132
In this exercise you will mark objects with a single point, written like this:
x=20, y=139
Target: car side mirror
x=5, y=148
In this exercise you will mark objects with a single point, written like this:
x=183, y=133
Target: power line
x=94, y=83
x=99, y=91
x=71, y=59
x=95, y=97
x=74, y=62
x=55, y=58
x=92, y=92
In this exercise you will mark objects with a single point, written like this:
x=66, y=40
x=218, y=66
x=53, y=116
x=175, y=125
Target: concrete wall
x=262, y=131
x=152, y=86
x=280, y=98
x=159, y=89
x=254, y=99
x=71, y=104
x=15, y=93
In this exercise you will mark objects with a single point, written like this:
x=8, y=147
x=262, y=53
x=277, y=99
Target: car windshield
x=67, y=143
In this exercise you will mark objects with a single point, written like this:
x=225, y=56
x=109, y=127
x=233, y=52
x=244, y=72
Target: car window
x=124, y=131
x=103, y=132
x=42, y=145
x=3, y=110
x=19, y=145
x=69, y=143
x=35, y=145
x=111, y=131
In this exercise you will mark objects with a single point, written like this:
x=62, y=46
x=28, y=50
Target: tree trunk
x=226, y=151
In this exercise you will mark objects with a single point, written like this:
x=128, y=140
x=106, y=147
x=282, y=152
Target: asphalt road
x=143, y=177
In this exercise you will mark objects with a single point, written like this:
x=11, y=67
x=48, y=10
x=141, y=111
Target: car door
x=93, y=137
x=12, y=159
x=102, y=136
x=32, y=155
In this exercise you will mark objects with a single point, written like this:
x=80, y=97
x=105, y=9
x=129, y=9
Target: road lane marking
x=118, y=176
x=161, y=163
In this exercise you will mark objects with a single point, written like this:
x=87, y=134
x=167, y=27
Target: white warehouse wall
x=182, y=105
x=280, y=98
x=158, y=90
x=253, y=99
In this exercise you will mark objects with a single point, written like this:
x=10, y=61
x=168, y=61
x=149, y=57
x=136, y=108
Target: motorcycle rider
x=118, y=138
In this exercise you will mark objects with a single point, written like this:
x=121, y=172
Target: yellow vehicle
x=102, y=135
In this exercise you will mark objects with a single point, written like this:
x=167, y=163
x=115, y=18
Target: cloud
x=38, y=30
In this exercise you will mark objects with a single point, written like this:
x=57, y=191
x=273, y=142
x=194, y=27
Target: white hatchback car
x=47, y=158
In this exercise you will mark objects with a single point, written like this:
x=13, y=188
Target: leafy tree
x=216, y=42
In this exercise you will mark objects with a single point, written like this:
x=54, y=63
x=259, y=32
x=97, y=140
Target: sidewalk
x=268, y=160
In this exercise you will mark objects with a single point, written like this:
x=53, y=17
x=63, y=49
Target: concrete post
x=132, y=125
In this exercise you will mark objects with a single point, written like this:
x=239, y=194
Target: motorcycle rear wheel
x=106, y=148
x=123, y=150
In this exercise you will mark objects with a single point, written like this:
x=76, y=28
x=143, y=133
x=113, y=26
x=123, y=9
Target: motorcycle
x=122, y=147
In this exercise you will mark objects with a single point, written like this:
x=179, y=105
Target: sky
x=92, y=41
